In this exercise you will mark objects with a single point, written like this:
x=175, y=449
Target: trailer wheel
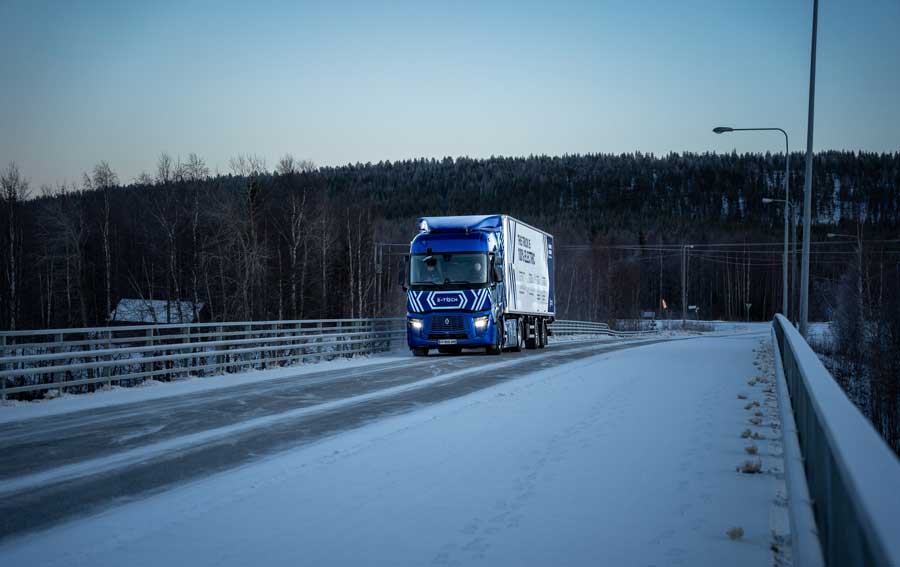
x=420, y=351
x=541, y=333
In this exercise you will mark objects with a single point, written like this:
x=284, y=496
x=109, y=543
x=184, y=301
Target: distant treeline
x=296, y=241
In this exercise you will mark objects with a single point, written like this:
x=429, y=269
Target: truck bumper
x=433, y=330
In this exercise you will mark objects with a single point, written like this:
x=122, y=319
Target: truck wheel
x=520, y=336
x=542, y=333
x=497, y=347
x=420, y=351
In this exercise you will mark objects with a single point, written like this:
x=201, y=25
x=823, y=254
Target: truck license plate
x=447, y=341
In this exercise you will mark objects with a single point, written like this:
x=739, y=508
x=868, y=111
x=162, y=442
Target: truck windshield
x=448, y=268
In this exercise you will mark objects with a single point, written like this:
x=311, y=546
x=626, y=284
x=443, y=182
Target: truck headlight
x=415, y=324
x=481, y=322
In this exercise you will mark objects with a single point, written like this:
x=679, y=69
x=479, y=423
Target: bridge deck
x=576, y=455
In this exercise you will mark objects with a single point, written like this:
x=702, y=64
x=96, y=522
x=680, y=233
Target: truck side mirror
x=402, y=276
x=497, y=272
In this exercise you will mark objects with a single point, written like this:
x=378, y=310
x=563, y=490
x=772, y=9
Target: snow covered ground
x=821, y=334
x=624, y=458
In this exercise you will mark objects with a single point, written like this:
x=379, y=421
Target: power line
x=696, y=246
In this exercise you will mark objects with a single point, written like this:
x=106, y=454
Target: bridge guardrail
x=852, y=475
x=563, y=327
x=32, y=361
x=56, y=359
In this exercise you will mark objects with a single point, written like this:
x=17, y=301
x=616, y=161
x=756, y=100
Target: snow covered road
x=70, y=464
x=623, y=457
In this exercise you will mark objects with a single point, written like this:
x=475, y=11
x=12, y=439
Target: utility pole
x=683, y=288
x=807, y=182
x=379, y=268
x=660, y=298
x=684, y=248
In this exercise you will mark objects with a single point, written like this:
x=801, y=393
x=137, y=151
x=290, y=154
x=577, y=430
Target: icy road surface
x=69, y=464
x=580, y=455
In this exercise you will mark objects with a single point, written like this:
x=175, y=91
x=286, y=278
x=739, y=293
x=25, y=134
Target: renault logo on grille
x=446, y=321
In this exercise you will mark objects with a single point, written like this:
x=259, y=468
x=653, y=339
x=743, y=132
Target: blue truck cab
x=466, y=287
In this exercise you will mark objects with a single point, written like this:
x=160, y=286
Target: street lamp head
x=767, y=200
x=831, y=235
x=722, y=129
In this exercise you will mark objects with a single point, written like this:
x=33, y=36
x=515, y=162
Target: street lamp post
x=787, y=199
x=807, y=179
x=788, y=246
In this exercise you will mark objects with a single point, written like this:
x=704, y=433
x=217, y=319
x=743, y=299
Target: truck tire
x=542, y=333
x=520, y=336
x=497, y=347
x=420, y=351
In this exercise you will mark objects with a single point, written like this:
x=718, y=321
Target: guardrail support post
x=147, y=342
x=107, y=370
x=3, y=367
x=192, y=361
x=248, y=357
x=298, y=351
x=58, y=339
x=220, y=359
x=319, y=340
x=273, y=354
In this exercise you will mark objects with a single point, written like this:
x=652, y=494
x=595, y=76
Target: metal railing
x=563, y=328
x=806, y=549
x=81, y=359
x=852, y=475
x=34, y=361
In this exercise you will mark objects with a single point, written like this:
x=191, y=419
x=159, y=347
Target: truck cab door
x=496, y=271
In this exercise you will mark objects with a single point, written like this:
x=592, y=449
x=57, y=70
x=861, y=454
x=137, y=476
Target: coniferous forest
x=296, y=241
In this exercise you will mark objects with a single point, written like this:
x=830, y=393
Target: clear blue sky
x=340, y=82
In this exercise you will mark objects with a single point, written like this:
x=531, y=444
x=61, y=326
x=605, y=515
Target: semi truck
x=482, y=282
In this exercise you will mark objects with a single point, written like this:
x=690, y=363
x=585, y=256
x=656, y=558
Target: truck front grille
x=435, y=337
x=447, y=324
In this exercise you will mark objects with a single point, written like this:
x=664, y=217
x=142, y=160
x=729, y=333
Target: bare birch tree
x=350, y=262
x=104, y=179
x=64, y=229
x=295, y=235
x=13, y=192
x=164, y=168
